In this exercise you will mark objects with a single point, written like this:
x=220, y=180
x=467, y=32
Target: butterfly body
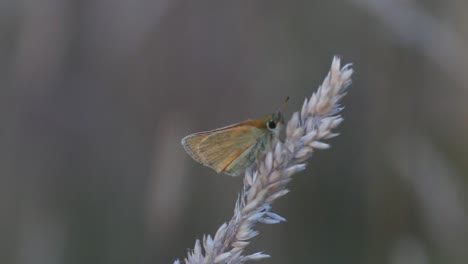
x=233, y=148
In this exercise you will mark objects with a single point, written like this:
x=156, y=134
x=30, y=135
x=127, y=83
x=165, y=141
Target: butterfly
x=234, y=148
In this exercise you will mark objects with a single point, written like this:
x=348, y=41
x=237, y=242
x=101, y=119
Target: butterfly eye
x=271, y=124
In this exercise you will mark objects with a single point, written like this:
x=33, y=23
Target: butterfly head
x=274, y=121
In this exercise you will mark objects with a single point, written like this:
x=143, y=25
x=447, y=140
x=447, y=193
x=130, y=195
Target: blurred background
x=96, y=95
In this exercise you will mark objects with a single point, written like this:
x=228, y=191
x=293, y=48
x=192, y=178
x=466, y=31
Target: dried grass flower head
x=305, y=132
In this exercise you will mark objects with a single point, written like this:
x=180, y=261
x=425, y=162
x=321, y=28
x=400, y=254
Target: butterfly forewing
x=191, y=143
x=227, y=150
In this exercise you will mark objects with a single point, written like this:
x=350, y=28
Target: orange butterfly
x=234, y=148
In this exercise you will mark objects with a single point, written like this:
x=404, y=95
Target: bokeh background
x=96, y=95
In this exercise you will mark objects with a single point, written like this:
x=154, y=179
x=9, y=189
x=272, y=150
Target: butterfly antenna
x=285, y=102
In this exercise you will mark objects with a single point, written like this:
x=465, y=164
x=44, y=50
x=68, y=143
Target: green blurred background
x=96, y=95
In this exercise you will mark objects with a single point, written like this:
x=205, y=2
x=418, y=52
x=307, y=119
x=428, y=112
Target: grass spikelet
x=305, y=133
